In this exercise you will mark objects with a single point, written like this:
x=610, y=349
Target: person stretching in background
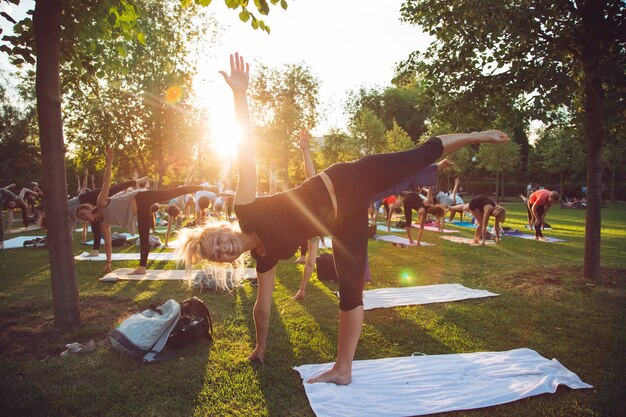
x=328, y=203
x=392, y=204
x=121, y=210
x=482, y=208
x=413, y=201
x=537, y=206
x=9, y=199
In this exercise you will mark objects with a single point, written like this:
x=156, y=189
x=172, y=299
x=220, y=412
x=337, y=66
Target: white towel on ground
x=154, y=256
x=398, y=239
x=426, y=294
x=158, y=275
x=18, y=242
x=466, y=240
x=418, y=385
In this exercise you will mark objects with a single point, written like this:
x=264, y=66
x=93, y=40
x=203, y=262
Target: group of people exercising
x=271, y=228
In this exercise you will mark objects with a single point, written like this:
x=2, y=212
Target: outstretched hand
x=443, y=164
x=495, y=136
x=305, y=139
x=239, y=74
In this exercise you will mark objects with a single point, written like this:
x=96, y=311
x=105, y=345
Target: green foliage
x=367, y=131
x=559, y=151
x=284, y=101
x=502, y=158
x=398, y=139
x=336, y=146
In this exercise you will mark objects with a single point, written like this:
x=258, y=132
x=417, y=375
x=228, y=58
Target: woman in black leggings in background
x=333, y=202
x=7, y=197
x=120, y=211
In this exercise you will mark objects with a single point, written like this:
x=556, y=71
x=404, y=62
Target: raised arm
x=305, y=141
x=103, y=197
x=238, y=82
x=457, y=181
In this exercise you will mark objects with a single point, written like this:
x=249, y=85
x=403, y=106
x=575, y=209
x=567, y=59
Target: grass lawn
x=544, y=304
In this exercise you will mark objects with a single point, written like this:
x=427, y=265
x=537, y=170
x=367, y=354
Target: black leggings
x=5, y=197
x=91, y=197
x=354, y=184
x=539, y=224
x=145, y=200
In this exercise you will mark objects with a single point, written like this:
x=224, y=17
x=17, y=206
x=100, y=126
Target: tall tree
x=499, y=160
x=550, y=52
x=398, y=139
x=368, y=132
x=284, y=100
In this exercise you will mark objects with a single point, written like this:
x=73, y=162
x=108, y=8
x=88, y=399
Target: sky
x=346, y=44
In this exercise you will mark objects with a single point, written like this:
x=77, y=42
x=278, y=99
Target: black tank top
x=479, y=203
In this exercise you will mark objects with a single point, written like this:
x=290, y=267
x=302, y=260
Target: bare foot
x=1, y=245
x=495, y=136
x=139, y=271
x=333, y=376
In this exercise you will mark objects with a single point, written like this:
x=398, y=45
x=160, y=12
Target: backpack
x=325, y=264
x=400, y=224
x=118, y=239
x=143, y=335
x=195, y=323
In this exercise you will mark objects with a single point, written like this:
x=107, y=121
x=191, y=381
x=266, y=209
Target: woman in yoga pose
x=328, y=203
x=121, y=210
x=538, y=205
x=10, y=200
x=413, y=201
x=482, y=207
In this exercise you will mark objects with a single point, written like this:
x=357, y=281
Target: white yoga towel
x=418, y=385
x=158, y=275
x=24, y=229
x=466, y=240
x=426, y=294
x=398, y=239
x=18, y=242
x=153, y=256
x=434, y=229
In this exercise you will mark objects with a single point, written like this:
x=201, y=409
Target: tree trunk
x=47, y=22
x=591, y=27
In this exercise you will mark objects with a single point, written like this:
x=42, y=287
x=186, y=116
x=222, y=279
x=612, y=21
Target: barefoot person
x=482, y=207
x=328, y=203
x=120, y=210
x=413, y=201
x=538, y=205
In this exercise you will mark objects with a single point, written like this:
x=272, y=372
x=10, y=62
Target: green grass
x=544, y=304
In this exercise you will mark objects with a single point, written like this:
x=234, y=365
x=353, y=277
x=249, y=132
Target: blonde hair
x=499, y=213
x=437, y=210
x=194, y=244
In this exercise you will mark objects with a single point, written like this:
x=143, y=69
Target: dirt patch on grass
x=29, y=332
x=552, y=280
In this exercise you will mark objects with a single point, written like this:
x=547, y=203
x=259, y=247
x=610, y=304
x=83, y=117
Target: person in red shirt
x=538, y=205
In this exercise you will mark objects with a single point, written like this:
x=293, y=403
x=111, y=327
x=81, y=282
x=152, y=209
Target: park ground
x=545, y=304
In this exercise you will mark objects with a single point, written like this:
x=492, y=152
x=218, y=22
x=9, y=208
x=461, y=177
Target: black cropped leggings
x=355, y=183
x=145, y=200
x=91, y=197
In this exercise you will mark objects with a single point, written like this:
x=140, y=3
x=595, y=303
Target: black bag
x=38, y=242
x=400, y=224
x=195, y=323
x=326, y=271
x=118, y=239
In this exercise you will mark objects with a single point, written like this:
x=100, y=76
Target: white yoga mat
x=434, y=229
x=398, y=239
x=121, y=274
x=153, y=256
x=418, y=385
x=23, y=229
x=466, y=240
x=426, y=294
x=18, y=242
x=383, y=228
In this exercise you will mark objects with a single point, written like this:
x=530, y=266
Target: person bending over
x=328, y=203
x=8, y=199
x=120, y=210
x=482, y=207
x=413, y=201
x=537, y=206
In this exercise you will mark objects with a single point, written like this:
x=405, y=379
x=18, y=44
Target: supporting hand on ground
x=257, y=355
x=300, y=296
